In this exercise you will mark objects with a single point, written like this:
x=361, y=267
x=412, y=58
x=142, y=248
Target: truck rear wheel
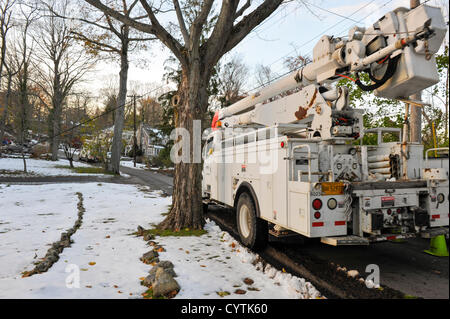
x=252, y=230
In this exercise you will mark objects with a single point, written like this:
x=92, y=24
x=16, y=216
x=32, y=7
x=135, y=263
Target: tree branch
x=249, y=22
x=156, y=30
x=181, y=22
x=242, y=9
x=197, y=24
x=101, y=45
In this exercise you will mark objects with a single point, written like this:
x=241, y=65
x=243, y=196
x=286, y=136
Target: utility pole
x=134, y=131
x=134, y=128
x=415, y=119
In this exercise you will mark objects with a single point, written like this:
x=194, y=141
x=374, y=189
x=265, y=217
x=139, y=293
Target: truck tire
x=252, y=230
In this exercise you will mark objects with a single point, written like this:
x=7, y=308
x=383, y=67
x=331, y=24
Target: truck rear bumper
x=356, y=240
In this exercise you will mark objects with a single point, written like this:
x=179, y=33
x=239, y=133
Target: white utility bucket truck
x=289, y=158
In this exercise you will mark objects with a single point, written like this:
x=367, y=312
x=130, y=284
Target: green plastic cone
x=438, y=247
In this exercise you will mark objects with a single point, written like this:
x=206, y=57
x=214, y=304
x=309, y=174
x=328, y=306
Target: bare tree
x=21, y=57
x=60, y=63
x=232, y=77
x=296, y=62
x=198, y=45
x=264, y=75
x=6, y=11
x=101, y=33
x=22, y=53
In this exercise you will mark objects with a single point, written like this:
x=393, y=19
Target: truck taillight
x=317, y=215
x=317, y=204
x=282, y=144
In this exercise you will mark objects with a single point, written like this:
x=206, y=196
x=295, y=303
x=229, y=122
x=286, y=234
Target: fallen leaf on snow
x=248, y=281
x=222, y=293
x=240, y=292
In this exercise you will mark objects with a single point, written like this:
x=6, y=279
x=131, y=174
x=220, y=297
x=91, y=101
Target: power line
x=323, y=32
x=329, y=11
x=257, y=29
x=97, y=116
x=315, y=37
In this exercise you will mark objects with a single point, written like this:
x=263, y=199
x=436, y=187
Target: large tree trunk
x=186, y=211
x=116, y=150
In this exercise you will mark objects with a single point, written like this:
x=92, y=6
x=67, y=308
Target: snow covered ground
x=130, y=164
x=29, y=220
x=105, y=256
x=40, y=167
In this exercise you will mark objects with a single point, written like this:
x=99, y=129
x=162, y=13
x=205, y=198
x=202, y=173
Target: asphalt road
x=154, y=180
x=403, y=266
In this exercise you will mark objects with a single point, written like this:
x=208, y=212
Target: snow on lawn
x=216, y=263
x=113, y=212
x=107, y=255
x=130, y=164
x=41, y=167
x=29, y=220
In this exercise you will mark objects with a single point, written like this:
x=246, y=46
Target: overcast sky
x=293, y=29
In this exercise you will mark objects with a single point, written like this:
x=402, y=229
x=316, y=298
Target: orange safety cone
x=438, y=247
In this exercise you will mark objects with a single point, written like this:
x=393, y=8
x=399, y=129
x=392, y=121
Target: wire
x=309, y=41
x=96, y=117
x=329, y=11
x=315, y=37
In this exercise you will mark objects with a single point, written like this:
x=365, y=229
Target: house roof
x=151, y=130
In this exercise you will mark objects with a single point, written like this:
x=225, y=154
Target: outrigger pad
x=344, y=240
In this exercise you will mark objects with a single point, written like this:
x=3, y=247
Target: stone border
x=53, y=253
x=161, y=276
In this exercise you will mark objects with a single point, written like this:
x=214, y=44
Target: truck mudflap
x=361, y=241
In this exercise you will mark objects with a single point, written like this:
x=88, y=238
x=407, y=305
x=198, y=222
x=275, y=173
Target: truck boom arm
x=397, y=52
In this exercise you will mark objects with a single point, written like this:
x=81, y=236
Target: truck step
x=282, y=233
x=344, y=240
